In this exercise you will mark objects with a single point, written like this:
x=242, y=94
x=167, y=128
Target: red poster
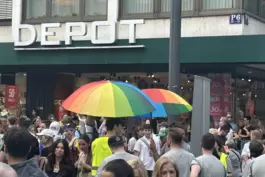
x=220, y=95
x=11, y=97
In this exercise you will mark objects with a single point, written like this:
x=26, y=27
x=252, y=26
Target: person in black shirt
x=24, y=122
x=222, y=132
x=46, y=139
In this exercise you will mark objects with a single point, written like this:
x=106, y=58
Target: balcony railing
x=162, y=8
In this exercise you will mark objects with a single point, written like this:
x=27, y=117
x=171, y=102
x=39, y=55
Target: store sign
x=11, y=97
x=220, y=94
x=47, y=31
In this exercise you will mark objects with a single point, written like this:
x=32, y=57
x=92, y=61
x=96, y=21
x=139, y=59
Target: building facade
x=51, y=47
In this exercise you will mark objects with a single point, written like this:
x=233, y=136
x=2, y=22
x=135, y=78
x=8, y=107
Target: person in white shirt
x=138, y=133
x=147, y=149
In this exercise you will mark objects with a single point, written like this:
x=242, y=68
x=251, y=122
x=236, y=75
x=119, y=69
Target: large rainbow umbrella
x=167, y=103
x=109, y=99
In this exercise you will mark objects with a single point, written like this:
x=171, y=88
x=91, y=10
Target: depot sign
x=46, y=31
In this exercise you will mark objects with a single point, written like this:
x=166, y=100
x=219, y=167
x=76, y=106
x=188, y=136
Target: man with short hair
x=73, y=142
x=179, y=156
x=17, y=147
x=184, y=145
x=207, y=165
x=222, y=133
x=117, y=146
x=100, y=147
x=147, y=149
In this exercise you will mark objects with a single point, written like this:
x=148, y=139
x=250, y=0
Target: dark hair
x=24, y=122
x=177, y=125
x=115, y=167
x=88, y=141
x=208, y=141
x=225, y=127
x=12, y=120
x=66, y=166
x=256, y=148
x=110, y=123
x=147, y=127
x=176, y=135
x=17, y=142
x=136, y=131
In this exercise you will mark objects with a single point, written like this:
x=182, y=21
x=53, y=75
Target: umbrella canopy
x=167, y=103
x=109, y=99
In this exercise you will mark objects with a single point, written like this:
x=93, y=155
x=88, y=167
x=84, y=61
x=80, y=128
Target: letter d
x=17, y=35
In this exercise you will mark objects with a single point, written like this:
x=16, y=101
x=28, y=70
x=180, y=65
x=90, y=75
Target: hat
x=115, y=141
x=55, y=127
x=163, y=131
x=69, y=127
x=46, y=132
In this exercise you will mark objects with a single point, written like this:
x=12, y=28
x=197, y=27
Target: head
x=66, y=119
x=60, y=148
x=256, y=134
x=247, y=120
x=224, y=130
x=230, y=144
x=69, y=132
x=37, y=121
x=12, y=121
x=32, y=129
x=213, y=131
x=223, y=121
x=42, y=127
x=116, y=143
x=114, y=125
x=138, y=132
x=256, y=148
x=113, y=169
x=17, y=143
x=46, y=136
x=24, y=122
x=34, y=113
x=241, y=123
x=147, y=129
x=175, y=137
x=208, y=142
x=84, y=143
x=55, y=127
x=229, y=116
x=163, y=134
x=165, y=167
x=139, y=170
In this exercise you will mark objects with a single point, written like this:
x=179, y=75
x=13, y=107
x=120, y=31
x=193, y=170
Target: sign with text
x=11, y=97
x=82, y=31
x=220, y=94
x=235, y=19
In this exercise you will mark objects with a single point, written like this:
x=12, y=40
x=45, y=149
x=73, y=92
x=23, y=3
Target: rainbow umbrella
x=109, y=99
x=167, y=103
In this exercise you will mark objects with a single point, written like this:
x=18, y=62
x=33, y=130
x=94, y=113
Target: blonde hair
x=138, y=168
x=159, y=165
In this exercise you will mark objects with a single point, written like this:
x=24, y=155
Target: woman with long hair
x=59, y=162
x=83, y=163
x=165, y=167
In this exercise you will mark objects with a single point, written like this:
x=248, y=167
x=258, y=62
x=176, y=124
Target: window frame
x=197, y=11
x=50, y=19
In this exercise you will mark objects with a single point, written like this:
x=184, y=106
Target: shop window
x=61, y=10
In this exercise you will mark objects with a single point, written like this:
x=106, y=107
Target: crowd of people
x=78, y=147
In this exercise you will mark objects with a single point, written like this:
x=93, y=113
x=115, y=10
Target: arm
x=240, y=134
x=229, y=167
x=137, y=148
x=195, y=170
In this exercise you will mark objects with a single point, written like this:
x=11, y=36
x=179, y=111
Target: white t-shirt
x=144, y=150
x=131, y=144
